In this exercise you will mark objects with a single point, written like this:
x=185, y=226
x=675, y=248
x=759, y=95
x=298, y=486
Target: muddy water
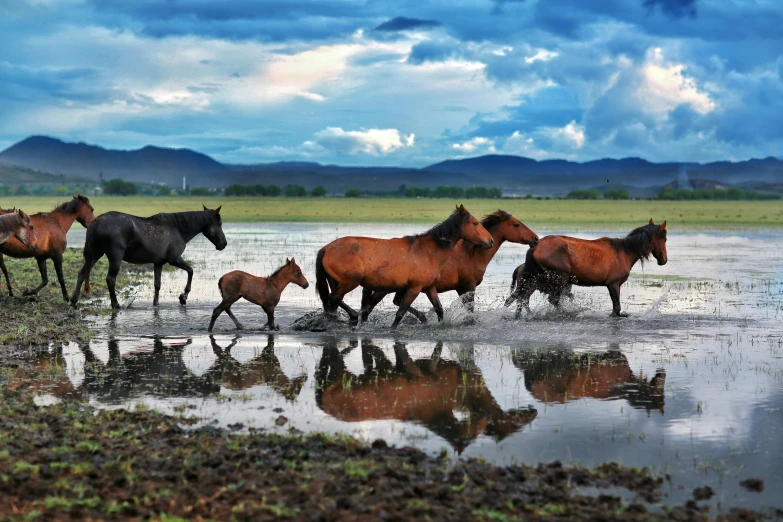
x=691, y=384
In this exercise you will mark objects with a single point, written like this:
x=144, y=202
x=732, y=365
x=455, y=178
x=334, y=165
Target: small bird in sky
x=606, y=180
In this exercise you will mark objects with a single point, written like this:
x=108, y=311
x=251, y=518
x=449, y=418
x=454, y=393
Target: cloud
x=375, y=142
x=673, y=8
x=401, y=23
x=473, y=145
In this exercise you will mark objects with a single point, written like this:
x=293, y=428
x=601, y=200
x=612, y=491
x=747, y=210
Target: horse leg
x=410, y=295
x=180, y=263
x=224, y=306
x=57, y=259
x=234, y=318
x=469, y=299
x=84, y=273
x=525, y=289
x=614, y=293
x=421, y=316
x=270, y=317
x=5, y=273
x=44, y=277
x=158, y=269
x=432, y=295
x=111, y=280
x=370, y=300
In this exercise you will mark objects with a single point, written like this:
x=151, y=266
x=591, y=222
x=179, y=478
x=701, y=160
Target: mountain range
x=514, y=174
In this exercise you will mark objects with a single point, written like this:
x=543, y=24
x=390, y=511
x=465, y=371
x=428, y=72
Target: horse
x=158, y=239
x=263, y=291
x=426, y=391
x=560, y=261
x=18, y=225
x=540, y=282
x=409, y=265
x=561, y=376
x=262, y=369
x=51, y=229
x=464, y=269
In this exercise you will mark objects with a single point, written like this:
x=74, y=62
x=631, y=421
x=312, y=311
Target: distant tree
x=448, y=192
x=529, y=196
x=235, y=190
x=352, y=193
x=61, y=190
x=494, y=193
x=583, y=194
x=416, y=192
x=616, y=194
x=273, y=190
x=118, y=187
x=295, y=191
x=319, y=192
x=163, y=190
x=476, y=192
x=200, y=191
x=735, y=193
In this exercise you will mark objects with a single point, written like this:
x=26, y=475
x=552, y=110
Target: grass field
x=551, y=214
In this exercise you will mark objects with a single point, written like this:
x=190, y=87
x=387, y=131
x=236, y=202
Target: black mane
x=489, y=222
x=638, y=242
x=192, y=220
x=71, y=206
x=445, y=233
x=273, y=274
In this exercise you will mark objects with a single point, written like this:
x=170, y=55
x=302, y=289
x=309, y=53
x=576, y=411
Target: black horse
x=158, y=239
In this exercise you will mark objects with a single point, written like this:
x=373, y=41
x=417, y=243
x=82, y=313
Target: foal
x=263, y=291
x=17, y=224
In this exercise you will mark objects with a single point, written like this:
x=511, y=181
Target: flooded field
x=691, y=384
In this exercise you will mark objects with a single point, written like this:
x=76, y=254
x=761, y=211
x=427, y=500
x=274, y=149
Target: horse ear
x=663, y=225
x=205, y=207
x=462, y=210
x=217, y=210
x=651, y=222
x=292, y=261
x=287, y=261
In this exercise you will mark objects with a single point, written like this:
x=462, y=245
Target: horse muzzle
x=488, y=244
x=534, y=242
x=305, y=286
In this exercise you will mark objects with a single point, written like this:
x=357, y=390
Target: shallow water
x=691, y=384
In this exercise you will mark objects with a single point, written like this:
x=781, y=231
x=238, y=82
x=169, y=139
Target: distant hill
x=15, y=175
x=149, y=164
x=514, y=174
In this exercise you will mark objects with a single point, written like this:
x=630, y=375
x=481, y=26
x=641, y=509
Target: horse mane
x=444, y=233
x=9, y=222
x=70, y=207
x=489, y=222
x=638, y=242
x=273, y=274
x=191, y=220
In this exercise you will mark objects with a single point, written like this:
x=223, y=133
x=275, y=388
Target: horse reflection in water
x=425, y=391
x=162, y=372
x=559, y=375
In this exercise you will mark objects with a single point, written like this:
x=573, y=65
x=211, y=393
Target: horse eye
x=516, y=225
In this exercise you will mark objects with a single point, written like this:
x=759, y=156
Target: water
x=691, y=384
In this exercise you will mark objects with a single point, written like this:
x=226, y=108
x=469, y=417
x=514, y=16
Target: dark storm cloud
x=401, y=23
x=673, y=8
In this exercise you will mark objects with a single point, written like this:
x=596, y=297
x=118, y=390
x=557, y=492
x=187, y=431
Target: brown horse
x=560, y=261
x=409, y=265
x=15, y=225
x=263, y=291
x=560, y=376
x=51, y=228
x=263, y=369
x=464, y=269
x=425, y=391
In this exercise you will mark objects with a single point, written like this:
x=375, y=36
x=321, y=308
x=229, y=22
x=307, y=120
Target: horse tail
x=220, y=287
x=321, y=283
x=514, y=276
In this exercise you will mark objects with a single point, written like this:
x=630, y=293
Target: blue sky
x=398, y=82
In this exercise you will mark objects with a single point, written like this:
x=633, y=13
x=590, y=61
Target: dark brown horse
x=560, y=376
x=464, y=269
x=560, y=261
x=16, y=225
x=263, y=291
x=157, y=239
x=51, y=229
x=426, y=391
x=409, y=265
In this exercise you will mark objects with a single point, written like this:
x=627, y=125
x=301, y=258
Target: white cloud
x=478, y=143
x=375, y=142
x=665, y=86
x=541, y=55
x=570, y=136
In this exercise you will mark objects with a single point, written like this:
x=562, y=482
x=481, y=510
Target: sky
x=398, y=82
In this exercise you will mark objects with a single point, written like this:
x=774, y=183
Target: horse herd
x=452, y=255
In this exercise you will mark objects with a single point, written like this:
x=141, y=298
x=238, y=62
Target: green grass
x=550, y=214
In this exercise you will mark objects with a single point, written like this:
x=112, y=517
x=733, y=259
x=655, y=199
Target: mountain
x=15, y=175
x=148, y=164
x=513, y=174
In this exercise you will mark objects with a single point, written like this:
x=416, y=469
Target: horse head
x=658, y=244
x=295, y=273
x=471, y=230
x=213, y=228
x=510, y=228
x=26, y=232
x=86, y=211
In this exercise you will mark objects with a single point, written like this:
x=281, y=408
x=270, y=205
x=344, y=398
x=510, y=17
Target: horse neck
x=485, y=255
x=428, y=244
x=280, y=280
x=64, y=219
x=630, y=254
x=188, y=228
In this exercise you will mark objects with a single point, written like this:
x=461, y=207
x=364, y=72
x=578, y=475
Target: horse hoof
x=183, y=300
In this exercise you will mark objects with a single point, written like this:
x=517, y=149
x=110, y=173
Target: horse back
x=586, y=262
